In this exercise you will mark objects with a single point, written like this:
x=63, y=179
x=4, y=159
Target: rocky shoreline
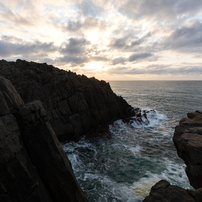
x=40, y=104
x=49, y=104
x=76, y=105
x=188, y=142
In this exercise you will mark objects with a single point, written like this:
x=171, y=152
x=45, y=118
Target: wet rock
x=163, y=191
x=75, y=104
x=188, y=142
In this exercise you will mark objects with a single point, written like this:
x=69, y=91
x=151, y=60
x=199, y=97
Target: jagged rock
x=163, y=191
x=188, y=142
x=33, y=165
x=75, y=104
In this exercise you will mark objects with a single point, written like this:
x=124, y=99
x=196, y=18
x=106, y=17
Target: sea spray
x=123, y=168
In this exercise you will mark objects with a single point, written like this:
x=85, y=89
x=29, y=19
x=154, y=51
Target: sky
x=109, y=40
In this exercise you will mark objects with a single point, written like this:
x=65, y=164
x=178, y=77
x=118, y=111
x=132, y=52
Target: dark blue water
x=125, y=166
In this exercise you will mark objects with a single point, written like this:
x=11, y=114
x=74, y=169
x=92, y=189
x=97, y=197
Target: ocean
x=124, y=166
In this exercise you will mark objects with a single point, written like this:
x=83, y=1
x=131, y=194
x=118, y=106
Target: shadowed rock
x=75, y=104
x=163, y=191
x=33, y=165
x=188, y=142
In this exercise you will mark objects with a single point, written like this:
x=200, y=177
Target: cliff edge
x=76, y=105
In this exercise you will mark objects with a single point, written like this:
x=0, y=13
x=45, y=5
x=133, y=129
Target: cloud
x=157, y=69
x=74, y=46
x=10, y=49
x=76, y=25
x=15, y=18
x=88, y=8
x=138, y=56
x=185, y=39
x=133, y=58
x=128, y=43
x=160, y=10
x=66, y=59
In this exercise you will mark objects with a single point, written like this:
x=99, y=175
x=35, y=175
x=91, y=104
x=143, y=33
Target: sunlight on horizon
x=94, y=65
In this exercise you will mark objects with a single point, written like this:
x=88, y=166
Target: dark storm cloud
x=186, y=38
x=74, y=46
x=157, y=69
x=8, y=49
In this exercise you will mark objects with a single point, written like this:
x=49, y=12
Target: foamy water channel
x=123, y=168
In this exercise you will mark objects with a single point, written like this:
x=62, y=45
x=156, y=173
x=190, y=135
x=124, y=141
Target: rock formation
x=75, y=104
x=188, y=142
x=33, y=165
x=163, y=191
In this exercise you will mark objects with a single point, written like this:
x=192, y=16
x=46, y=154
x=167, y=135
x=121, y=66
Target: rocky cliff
x=188, y=142
x=76, y=105
x=33, y=165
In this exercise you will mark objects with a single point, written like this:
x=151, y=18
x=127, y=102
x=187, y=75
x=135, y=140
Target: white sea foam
x=135, y=150
x=101, y=157
x=174, y=173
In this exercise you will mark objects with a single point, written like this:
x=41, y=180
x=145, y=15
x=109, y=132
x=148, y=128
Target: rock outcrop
x=33, y=165
x=188, y=142
x=75, y=104
x=163, y=191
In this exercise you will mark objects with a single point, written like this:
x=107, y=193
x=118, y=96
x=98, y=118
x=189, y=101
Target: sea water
x=124, y=166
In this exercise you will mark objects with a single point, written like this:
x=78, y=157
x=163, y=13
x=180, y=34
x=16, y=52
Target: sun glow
x=94, y=65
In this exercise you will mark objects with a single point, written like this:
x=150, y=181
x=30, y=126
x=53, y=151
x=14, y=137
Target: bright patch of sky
x=110, y=40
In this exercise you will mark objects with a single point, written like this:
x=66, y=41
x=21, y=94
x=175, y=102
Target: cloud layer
x=106, y=39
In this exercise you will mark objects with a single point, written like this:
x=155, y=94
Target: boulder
x=163, y=191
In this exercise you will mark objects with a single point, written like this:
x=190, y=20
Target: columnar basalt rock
x=75, y=104
x=33, y=165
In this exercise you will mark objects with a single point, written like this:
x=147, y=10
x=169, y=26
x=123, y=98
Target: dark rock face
x=188, y=142
x=76, y=105
x=33, y=165
x=162, y=191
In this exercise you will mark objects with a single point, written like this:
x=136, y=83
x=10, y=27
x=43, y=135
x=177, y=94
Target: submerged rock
x=75, y=104
x=33, y=165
